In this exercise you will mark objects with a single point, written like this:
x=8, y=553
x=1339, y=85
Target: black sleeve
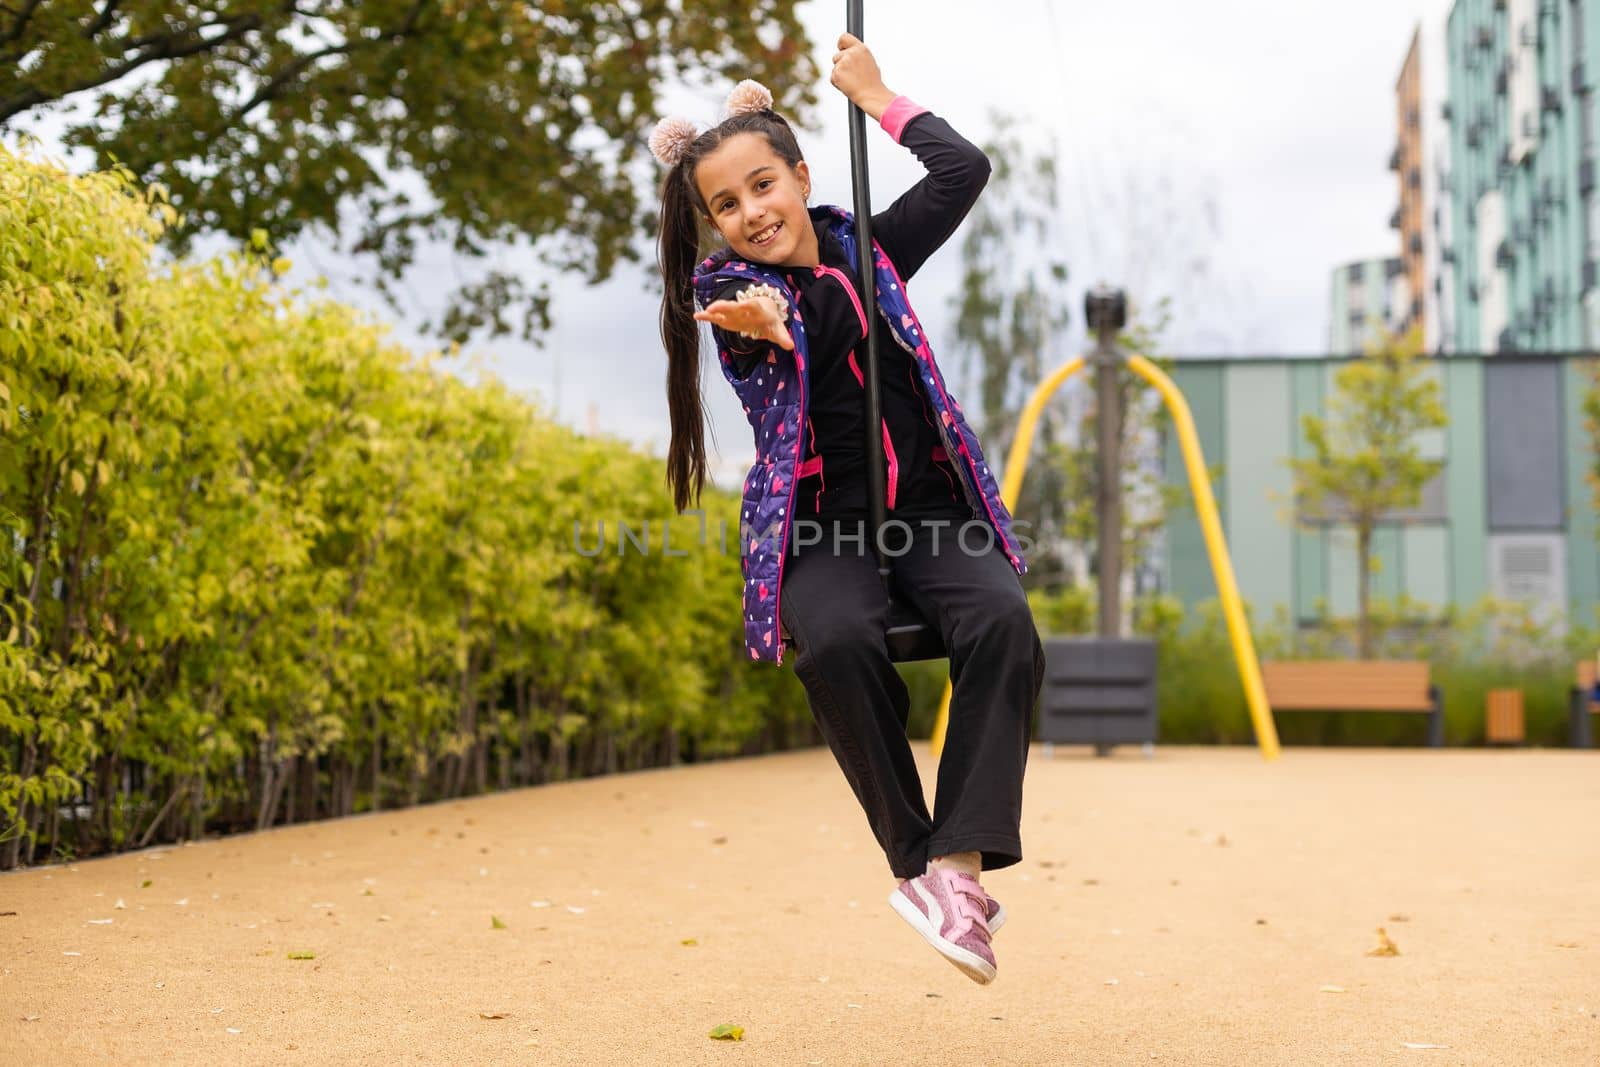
x=747, y=352
x=914, y=226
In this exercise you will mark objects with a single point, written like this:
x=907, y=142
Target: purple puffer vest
x=775, y=396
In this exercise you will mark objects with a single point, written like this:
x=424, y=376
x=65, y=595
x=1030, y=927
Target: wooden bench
x=1355, y=685
x=1580, y=732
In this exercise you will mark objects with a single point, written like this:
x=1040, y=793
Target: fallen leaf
x=494, y=1015
x=575, y=909
x=1091, y=881
x=688, y=941
x=234, y=1030
x=1385, y=947
x=1112, y=981
x=302, y=955
x=1419, y=1044
x=1566, y=944
x=30, y=1018
x=99, y=922
x=119, y=904
x=146, y=884
x=538, y=903
x=72, y=953
x=1399, y=917
x=1331, y=989
x=496, y=924
x=727, y=1032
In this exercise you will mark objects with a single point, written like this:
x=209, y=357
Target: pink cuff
x=897, y=114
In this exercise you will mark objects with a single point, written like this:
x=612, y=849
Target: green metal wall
x=1248, y=414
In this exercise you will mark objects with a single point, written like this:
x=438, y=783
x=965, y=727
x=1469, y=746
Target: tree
x=1365, y=460
x=392, y=121
x=1013, y=318
x=1011, y=310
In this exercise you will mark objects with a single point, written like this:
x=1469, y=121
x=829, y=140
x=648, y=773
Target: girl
x=783, y=299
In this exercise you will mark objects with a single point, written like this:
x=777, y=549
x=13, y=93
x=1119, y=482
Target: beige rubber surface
x=1187, y=909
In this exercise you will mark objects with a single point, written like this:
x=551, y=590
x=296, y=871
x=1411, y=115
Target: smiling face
x=758, y=202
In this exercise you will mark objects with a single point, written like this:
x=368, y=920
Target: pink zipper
x=893, y=488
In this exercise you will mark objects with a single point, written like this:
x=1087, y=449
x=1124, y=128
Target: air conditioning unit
x=1529, y=568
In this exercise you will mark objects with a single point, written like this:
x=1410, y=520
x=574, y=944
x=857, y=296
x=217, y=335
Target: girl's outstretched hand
x=758, y=317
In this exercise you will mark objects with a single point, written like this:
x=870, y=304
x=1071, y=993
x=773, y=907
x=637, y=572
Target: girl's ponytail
x=677, y=252
x=675, y=143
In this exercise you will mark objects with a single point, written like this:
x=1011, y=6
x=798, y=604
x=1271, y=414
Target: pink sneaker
x=995, y=911
x=950, y=910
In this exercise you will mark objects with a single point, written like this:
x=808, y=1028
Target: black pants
x=833, y=606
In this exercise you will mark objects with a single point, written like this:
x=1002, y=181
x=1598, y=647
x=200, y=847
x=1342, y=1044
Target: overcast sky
x=1264, y=128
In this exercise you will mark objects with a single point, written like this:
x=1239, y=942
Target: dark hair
x=682, y=235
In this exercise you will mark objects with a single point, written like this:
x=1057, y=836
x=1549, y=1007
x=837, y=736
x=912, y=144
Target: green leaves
x=519, y=122
x=1366, y=457
x=246, y=543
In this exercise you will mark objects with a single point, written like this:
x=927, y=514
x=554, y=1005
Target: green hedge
x=260, y=565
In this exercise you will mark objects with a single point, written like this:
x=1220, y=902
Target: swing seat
x=907, y=634
x=910, y=637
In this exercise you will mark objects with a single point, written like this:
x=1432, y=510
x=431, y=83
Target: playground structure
x=907, y=635
x=1107, y=314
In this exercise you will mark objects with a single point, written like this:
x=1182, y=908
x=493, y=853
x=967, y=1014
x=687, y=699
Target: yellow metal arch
x=1205, y=504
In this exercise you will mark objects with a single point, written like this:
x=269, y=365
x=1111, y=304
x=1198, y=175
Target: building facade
x=1407, y=162
x=1365, y=298
x=1524, y=232
x=1512, y=513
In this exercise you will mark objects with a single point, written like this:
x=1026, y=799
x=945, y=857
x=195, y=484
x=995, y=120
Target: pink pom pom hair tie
x=671, y=138
x=749, y=95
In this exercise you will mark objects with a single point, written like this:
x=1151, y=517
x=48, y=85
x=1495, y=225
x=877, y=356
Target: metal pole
x=876, y=474
x=1106, y=311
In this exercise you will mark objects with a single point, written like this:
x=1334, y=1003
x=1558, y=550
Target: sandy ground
x=1200, y=907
